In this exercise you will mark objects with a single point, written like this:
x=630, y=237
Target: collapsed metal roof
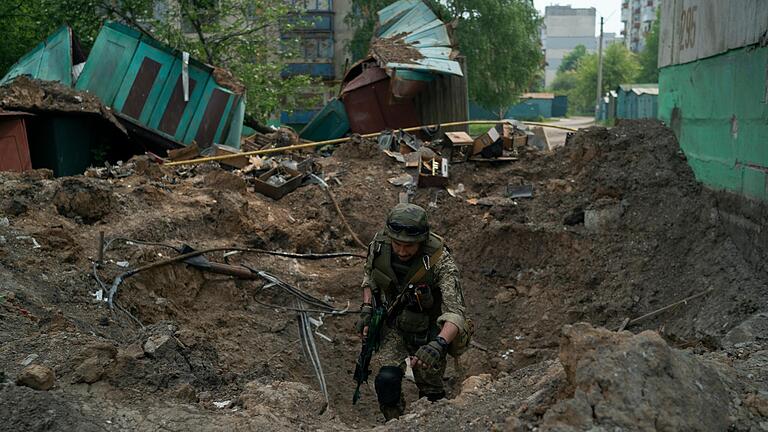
x=410, y=37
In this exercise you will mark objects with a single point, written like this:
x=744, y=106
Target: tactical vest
x=417, y=321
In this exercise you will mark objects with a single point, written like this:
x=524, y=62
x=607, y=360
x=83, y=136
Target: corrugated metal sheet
x=422, y=30
x=50, y=60
x=696, y=29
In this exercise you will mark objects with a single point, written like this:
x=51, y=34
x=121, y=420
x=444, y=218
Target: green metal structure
x=713, y=92
x=717, y=108
x=142, y=80
x=50, y=60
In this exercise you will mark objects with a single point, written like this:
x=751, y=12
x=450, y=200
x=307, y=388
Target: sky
x=609, y=9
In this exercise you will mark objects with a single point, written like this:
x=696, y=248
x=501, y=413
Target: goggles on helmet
x=407, y=229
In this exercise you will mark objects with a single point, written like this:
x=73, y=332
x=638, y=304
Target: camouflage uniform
x=422, y=320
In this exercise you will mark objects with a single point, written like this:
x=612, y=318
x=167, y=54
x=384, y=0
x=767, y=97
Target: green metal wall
x=718, y=108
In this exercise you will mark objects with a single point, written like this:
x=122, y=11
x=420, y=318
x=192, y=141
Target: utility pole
x=599, y=72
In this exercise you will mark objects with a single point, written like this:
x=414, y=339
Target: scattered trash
x=4, y=222
x=520, y=191
x=457, y=146
x=489, y=144
x=35, y=244
x=454, y=192
x=507, y=354
x=123, y=264
x=28, y=360
x=433, y=173
x=277, y=182
x=223, y=404
x=401, y=180
x=409, y=370
x=99, y=295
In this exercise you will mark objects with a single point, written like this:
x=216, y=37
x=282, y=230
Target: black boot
x=432, y=397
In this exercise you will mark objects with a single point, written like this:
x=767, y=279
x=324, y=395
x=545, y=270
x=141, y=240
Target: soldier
x=406, y=256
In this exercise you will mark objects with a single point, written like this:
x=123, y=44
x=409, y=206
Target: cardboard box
x=486, y=140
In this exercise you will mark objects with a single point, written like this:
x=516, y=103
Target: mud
x=616, y=228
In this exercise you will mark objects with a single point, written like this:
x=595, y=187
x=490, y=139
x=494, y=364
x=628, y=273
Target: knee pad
x=388, y=385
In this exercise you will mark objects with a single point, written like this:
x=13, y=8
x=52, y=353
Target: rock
x=86, y=199
x=185, y=392
x=157, y=344
x=636, y=382
x=287, y=399
x=751, y=330
x=604, y=214
x=134, y=351
x=89, y=371
x=471, y=386
x=204, y=396
x=757, y=403
x=93, y=362
x=36, y=377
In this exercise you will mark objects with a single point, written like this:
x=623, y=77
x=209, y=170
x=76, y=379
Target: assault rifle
x=371, y=344
x=372, y=341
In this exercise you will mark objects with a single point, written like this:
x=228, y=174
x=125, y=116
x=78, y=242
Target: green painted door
x=143, y=82
x=172, y=115
x=108, y=62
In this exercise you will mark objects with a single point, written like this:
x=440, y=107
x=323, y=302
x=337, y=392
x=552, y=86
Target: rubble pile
x=610, y=230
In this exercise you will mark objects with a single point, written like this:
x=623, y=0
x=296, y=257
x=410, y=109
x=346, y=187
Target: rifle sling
x=420, y=273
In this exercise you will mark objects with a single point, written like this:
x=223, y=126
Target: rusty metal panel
x=368, y=76
x=212, y=118
x=363, y=110
x=142, y=85
x=175, y=108
x=367, y=100
x=14, y=147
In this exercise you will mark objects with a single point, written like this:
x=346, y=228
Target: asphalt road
x=556, y=137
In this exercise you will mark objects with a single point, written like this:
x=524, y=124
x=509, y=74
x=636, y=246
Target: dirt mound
x=625, y=381
x=33, y=95
x=616, y=228
x=607, y=381
x=85, y=201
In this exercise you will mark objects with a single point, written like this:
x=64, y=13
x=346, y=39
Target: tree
x=620, y=66
x=244, y=36
x=498, y=38
x=649, y=56
x=572, y=58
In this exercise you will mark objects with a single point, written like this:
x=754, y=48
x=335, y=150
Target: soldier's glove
x=432, y=353
x=366, y=311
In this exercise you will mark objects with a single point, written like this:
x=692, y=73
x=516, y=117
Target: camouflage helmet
x=408, y=223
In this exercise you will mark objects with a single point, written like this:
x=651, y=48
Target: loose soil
x=617, y=227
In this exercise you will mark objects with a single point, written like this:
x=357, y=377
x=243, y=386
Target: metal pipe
x=345, y=139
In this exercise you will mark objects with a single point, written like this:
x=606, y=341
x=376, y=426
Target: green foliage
x=26, y=23
x=649, y=56
x=620, y=66
x=243, y=36
x=571, y=60
x=498, y=38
